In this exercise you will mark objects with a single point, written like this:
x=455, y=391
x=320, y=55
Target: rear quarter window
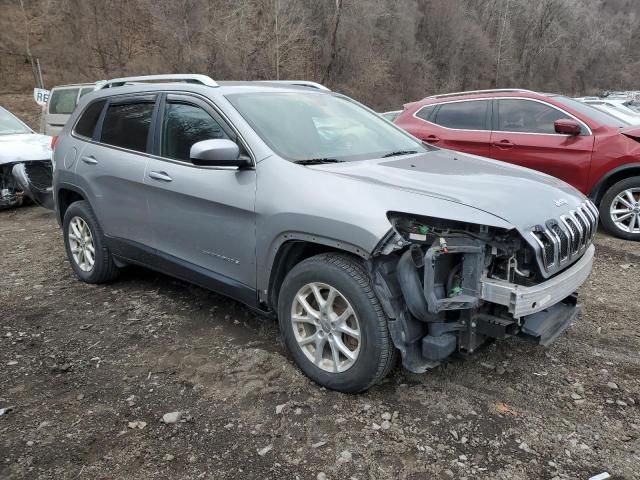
x=426, y=113
x=63, y=101
x=87, y=122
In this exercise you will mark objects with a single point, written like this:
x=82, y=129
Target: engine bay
x=431, y=276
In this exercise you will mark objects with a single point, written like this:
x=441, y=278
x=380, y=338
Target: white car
x=25, y=163
x=626, y=104
x=616, y=108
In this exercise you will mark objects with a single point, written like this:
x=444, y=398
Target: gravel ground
x=90, y=371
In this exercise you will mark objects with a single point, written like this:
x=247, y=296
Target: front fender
x=294, y=202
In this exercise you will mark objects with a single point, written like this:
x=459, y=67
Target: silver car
x=363, y=241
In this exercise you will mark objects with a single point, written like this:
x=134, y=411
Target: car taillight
x=54, y=140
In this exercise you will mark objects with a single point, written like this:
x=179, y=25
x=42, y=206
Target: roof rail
x=474, y=92
x=179, y=77
x=300, y=83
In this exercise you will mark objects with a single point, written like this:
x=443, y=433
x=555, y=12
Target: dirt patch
x=80, y=362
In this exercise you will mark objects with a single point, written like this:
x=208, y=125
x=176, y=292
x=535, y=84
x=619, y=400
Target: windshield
x=305, y=126
x=617, y=113
x=591, y=112
x=10, y=124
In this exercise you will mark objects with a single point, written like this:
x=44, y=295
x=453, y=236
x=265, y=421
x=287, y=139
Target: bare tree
x=334, y=42
x=383, y=52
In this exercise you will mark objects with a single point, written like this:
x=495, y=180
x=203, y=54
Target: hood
x=22, y=147
x=520, y=196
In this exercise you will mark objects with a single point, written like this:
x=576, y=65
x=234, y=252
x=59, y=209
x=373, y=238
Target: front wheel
x=620, y=209
x=333, y=324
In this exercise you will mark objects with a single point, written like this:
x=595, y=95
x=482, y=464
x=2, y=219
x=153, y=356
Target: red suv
x=593, y=151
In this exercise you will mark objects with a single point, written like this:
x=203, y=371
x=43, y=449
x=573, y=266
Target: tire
x=611, y=201
x=103, y=268
x=374, y=352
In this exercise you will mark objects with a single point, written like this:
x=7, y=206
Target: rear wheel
x=620, y=209
x=333, y=323
x=84, y=242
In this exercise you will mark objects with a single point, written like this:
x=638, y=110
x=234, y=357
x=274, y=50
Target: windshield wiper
x=399, y=152
x=318, y=161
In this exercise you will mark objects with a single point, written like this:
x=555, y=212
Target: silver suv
x=302, y=203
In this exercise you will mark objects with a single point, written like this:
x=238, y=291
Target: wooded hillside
x=383, y=52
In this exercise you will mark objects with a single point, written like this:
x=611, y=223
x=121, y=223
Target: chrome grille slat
x=561, y=241
x=555, y=247
x=588, y=211
x=593, y=209
x=580, y=227
x=592, y=220
x=543, y=248
x=573, y=233
x=585, y=225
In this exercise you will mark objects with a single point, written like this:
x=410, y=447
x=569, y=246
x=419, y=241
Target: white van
x=62, y=101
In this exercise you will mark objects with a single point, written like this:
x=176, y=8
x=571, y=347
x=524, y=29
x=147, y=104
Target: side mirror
x=567, y=126
x=217, y=153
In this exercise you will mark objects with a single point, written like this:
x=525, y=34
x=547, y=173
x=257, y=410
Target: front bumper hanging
x=428, y=324
x=35, y=181
x=522, y=301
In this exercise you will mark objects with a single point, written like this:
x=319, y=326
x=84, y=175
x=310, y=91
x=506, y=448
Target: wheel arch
x=612, y=177
x=291, y=249
x=67, y=194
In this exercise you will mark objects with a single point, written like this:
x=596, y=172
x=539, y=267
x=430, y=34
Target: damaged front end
x=450, y=286
x=24, y=181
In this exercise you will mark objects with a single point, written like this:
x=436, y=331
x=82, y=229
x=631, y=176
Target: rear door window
x=185, y=124
x=63, y=101
x=469, y=115
x=127, y=125
x=87, y=122
x=527, y=116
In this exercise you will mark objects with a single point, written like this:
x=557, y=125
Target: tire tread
x=358, y=273
x=107, y=270
x=607, y=198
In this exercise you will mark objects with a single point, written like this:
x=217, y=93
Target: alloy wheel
x=81, y=244
x=625, y=210
x=326, y=327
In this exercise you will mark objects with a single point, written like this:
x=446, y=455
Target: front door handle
x=431, y=138
x=503, y=144
x=162, y=176
x=90, y=160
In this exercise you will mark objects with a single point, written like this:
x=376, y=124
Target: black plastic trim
x=136, y=253
x=598, y=191
x=65, y=186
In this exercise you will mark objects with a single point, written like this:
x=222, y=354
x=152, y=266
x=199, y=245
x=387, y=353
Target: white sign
x=40, y=96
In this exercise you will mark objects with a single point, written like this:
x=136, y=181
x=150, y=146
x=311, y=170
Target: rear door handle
x=162, y=176
x=503, y=144
x=431, y=138
x=90, y=160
